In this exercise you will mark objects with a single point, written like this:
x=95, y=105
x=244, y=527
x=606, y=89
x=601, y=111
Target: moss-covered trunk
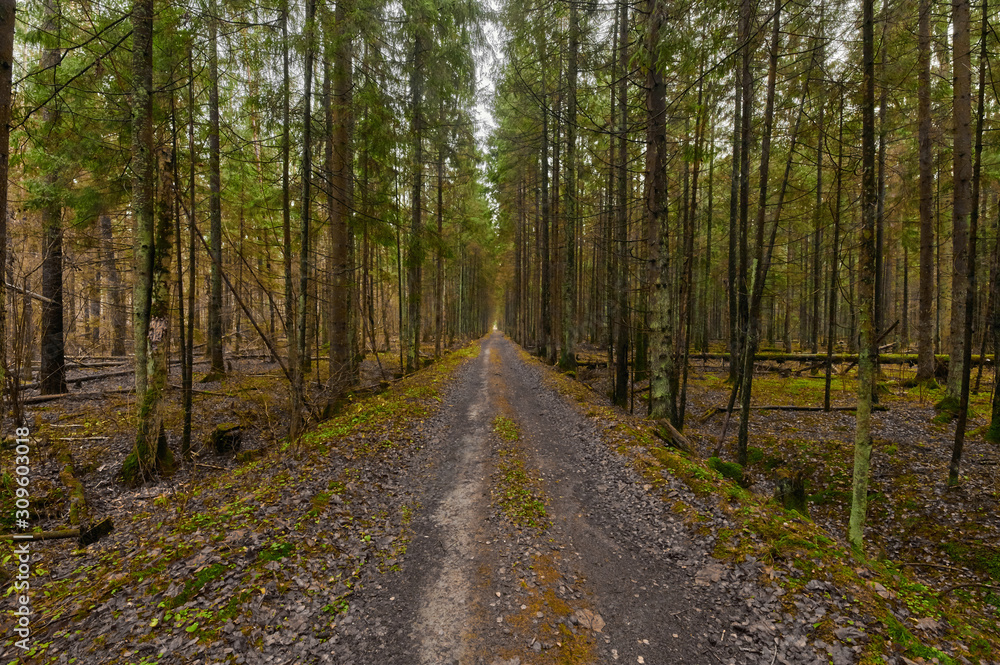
x=151, y=454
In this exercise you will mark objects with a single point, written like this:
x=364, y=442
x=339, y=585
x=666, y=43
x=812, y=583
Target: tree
x=341, y=173
x=214, y=347
x=925, y=319
x=53, y=363
x=7, y=24
x=415, y=255
x=151, y=305
x=567, y=357
x=866, y=288
x=962, y=174
x=621, y=214
x=970, y=295
x=663, y=371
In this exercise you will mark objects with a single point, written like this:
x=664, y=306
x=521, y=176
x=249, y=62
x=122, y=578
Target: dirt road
x=608, y=574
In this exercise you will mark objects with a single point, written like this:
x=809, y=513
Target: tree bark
x=866, y=288
x=415, y=258
x=567, y=356
x=925, y=315
x=214, y=347
x=993, y=433
x=831, y=338
x=341, y=171
x=151, y=454
x=621, y=222
x=962, y=173
x=7, y=25
x=759, y=271
x=53, y=362
x=970, y=296
x=663, y=370
x=142, y=180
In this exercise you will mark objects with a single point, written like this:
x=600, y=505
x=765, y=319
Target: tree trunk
x=142, y=180
x=567, y=356
x=663, y=370
x=759, y=273
x=866, y=288
x=831, y=338
x=53, y=362
x=993, y=433
x=305, y=266
x=214, y=339
x=546, y=220
x=151, y=454
x=7, y=24
x=286, y=208
x=187, y=387
x=415, y=260
x=341, y=172
x=621, y=223
x=970, y=296
x=734, y=216
x=117, y=306
x=962, y=171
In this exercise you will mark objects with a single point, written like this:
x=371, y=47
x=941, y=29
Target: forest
x=307, y=244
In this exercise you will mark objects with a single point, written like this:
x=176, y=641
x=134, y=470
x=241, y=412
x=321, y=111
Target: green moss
x=731, y=470
x=275, y=552
x=506, y=428
x=993, y=431
x=977, y=556
x=754, y=456
x=192, y=587
x=947, y=410
x=911, y=645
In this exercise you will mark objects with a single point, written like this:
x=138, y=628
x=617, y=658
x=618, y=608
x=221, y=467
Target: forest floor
x=488, y=509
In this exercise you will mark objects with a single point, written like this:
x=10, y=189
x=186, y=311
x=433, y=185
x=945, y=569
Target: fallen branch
x=103, y=375
x=673, y=438
x=968, y=584
x=789, y=407
x=786, y=407
x=85, y=536
x=930, y=565
x=30, y=294
x=91, y=395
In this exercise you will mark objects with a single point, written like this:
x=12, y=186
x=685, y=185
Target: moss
x=947, y=410
x=911, y=645
x=731, y=470
x=193, y=586
x=993, y=431
x=275, y=552
x=506, y=428
x=977, y=556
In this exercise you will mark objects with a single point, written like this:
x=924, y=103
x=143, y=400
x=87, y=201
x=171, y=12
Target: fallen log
x=103, y=375
x=39, y=399
x=669, y=434
x=789, y=407
x=84, y=536
x=884, y=358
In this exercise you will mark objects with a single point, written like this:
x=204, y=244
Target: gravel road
x=613, y=577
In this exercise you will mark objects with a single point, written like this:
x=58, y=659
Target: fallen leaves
x=590, y=620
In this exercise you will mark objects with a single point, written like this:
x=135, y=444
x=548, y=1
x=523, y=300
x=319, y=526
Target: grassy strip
x=518, y=495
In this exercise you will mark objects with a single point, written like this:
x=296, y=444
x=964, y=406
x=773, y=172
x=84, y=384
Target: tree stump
x=790, y=490
x=227, y=438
